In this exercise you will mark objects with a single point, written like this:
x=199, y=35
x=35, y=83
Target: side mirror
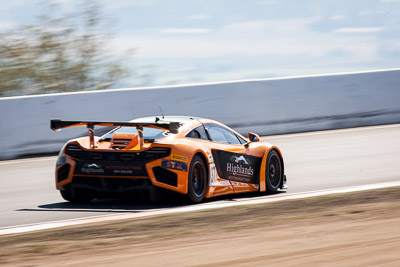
x=253, y=137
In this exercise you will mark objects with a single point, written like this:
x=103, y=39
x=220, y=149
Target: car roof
x=182, y=119
x=189, y=122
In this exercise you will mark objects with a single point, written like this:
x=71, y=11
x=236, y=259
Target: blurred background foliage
x=60, y=53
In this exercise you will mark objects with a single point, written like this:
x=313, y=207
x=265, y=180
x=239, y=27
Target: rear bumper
x=116, y=185
x=117, y=176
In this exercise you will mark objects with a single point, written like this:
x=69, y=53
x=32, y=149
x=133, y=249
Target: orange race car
x=198, y=157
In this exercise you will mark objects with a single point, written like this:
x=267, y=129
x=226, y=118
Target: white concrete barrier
x=268, y=106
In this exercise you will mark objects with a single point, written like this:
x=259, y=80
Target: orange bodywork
x=182, y=150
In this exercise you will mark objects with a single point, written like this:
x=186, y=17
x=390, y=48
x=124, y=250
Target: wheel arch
x=203, y=156
x=282, y=161
x=264, y=164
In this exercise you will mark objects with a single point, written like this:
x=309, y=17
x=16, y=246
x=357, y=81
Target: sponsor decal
x=240, y=159
x=179, y=158
x=92, y=168
x=124, y=169
x=111, y=168
x=173, y=164
x=237, y=167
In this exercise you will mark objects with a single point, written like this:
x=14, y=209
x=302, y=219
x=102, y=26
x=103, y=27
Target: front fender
x=264, y=165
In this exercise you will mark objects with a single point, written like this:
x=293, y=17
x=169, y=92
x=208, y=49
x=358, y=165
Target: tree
x=59, y=53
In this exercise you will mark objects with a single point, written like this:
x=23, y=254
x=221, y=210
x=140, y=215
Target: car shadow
x=242, y=196
x=123, y=206
x=106, y=206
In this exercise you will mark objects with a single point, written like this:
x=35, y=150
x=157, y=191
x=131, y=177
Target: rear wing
x=57, y=125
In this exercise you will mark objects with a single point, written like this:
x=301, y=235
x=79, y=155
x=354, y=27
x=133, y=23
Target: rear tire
x=66, y=194
x=197, y=180
x=273, y=172
x=79, y=195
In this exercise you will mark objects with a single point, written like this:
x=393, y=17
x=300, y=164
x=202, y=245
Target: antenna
x=161, y=112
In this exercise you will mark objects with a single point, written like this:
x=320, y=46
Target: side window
x=198, y=133
x=222, y=135
x=242, y=141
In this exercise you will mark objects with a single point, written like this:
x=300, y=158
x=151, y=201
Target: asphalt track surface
x=313, y=161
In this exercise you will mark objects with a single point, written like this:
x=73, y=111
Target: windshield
x=149, y=134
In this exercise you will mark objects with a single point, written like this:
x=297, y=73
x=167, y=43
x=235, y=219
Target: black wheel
x=79, y=195
x=273, y=172
x=197, y=180
x=66, y=193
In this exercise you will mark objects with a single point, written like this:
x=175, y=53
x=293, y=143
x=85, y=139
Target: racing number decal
x=213, y=171
x=237, y=167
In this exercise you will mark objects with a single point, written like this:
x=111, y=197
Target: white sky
x=178, y=41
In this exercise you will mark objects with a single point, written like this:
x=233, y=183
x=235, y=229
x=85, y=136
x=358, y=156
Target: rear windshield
x=149, y=134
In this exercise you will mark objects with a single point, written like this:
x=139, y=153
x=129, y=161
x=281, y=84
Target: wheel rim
x=274, y=171
x=198, y=179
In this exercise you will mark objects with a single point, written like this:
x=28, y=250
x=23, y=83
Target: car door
x=234, y=161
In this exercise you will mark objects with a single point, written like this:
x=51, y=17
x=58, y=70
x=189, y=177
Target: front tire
x=197, y=180
x=273, y=172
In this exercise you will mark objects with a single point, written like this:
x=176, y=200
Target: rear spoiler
x=57, y=125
